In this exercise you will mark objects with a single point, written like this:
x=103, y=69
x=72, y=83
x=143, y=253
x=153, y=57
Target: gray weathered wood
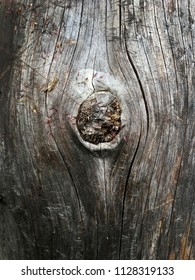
x=62, y=197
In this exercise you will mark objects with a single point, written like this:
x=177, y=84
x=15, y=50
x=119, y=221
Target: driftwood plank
x=124, y=187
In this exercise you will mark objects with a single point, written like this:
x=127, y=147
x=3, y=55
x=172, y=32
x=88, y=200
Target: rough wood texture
x=62, y=197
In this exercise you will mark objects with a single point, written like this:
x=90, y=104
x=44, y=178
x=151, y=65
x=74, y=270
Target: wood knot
x=99, y=118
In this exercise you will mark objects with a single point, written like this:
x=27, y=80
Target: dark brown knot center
x=99, y=118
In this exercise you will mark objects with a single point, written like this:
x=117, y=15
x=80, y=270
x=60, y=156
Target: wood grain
x=131, y=198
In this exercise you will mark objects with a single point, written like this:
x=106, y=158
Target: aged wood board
x=97, y=129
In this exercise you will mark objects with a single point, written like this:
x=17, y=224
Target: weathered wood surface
x=62, y=197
